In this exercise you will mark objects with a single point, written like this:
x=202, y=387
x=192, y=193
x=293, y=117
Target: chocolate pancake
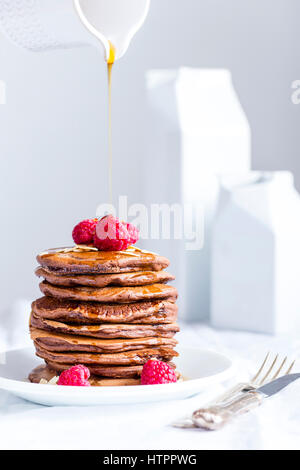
x=97, y=262
x=110, y=294
x=106, y=331
x=136, y=357
x=156, y=312
x=66, y=343
x=106, y=371
x=47, y=373
x=104, y=280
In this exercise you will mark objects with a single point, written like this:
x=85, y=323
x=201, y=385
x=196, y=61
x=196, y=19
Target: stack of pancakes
x=111, y=311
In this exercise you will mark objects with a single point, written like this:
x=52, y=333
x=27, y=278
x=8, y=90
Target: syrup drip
x=110, y=63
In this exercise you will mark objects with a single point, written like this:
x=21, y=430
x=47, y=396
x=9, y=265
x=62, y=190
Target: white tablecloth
x=275, y=425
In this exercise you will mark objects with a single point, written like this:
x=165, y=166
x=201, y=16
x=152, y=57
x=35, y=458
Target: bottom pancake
x=138, y=357
x=106, y=371
x=47, y=373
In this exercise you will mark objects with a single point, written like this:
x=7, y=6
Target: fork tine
x=290, y=368
x=263, y=380
x=280, y=369
x=261, y=368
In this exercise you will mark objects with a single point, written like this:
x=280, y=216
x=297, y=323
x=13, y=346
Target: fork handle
x=231, y=393
x=215, y=417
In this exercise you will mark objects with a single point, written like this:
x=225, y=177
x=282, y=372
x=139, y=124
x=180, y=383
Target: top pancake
x=96, y=262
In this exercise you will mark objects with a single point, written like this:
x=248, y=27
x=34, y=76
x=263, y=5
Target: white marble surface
x=276, y=425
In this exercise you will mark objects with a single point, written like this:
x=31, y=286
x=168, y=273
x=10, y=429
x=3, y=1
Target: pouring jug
x=40, y=25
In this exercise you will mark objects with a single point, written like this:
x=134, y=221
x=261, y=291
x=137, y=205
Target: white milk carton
x=256, y=254
x=197, y=129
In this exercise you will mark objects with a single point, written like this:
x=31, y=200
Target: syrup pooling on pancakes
x=102, y=262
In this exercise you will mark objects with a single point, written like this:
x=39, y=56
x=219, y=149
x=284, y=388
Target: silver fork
x=263, y=376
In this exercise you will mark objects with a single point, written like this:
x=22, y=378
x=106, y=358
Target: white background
x=53, y=129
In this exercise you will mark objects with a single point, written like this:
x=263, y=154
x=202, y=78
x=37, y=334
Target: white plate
x=200, y=368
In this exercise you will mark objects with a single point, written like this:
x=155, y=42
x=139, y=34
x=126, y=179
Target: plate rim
x=15, y=386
